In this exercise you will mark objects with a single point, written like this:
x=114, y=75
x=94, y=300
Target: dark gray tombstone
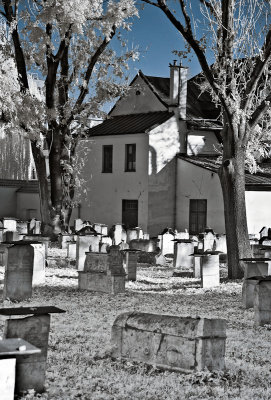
x=262, y=301
x=33, y=325
x=19, y=272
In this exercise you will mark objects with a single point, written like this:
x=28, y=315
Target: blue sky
x=156, y=38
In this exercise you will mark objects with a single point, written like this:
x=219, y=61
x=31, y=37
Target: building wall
x=133, y=103
x=105, y=191
x=28, y=206
x=202, y=142
x=194, y=182
x=7, y=201
x=258, y=210
x=162, y=193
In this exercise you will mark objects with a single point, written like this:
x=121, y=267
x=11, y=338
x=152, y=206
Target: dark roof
x=131, y=123
x=199, y=104
x=253, y=181
x=21, y=185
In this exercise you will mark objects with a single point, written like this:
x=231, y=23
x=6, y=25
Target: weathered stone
x=183, y=249
x=71, y=250
x=210, y=270
x=248, y=288
x=64, y=239
x=82, y=246
x=160, y=260
x=144, y=245
x=146, y=236
x=166, y=243
x=131, y=264
x=19, y=272
x=2, y=230
x=255, y=268
x=78, y=224
x=220, y=244
x=208, y=241
x=37, y=227
x=262, y=302
x=39, y=238
x=9, y=224
x=176, y=343
x=39, y=264
x=22, y=227
x=10, y=236
x=118, y=234
x=103, y=272
x=7, y=380
x=197, y=266
x=182, y=235
x=31, y=368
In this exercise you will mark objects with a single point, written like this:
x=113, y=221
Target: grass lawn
x=79, y=363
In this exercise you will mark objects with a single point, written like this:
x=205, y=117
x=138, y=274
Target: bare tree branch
x=259, y=112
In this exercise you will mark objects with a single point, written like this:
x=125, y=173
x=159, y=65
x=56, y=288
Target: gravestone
x=160, y=260
x=9, y=224
x=11, y=236
x=107, y=240
x=87, y=237
x=78, y=224
x=221, y=244
x=39, y=263
x=37, y=228
x=166, y=243
x=33, y=325
x=183, y=248
x=19, y=348
x=262, y=301
x=39, y=238
x=208, y=240
x=19, y=272
x=103, y=272
x=197, y=265
x=131, y=264
x=210, y=270
x=71, y=251
x=2, y=231
x=248, y=288
x=22, y=227
x=132, y=234
x=182, y=235
x=7, y=381
x=147, y=245
x=146, y=236
x=182, y=344
x=64, y=239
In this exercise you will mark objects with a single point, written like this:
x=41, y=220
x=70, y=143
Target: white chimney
x=178, y=89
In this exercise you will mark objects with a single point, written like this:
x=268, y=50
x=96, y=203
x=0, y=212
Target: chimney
x=178, y=89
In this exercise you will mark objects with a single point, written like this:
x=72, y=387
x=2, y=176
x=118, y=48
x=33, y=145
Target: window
x=197, y=216
x=130, y=157
x=130, y=213
x=107, y=158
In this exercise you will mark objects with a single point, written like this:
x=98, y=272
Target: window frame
x=105, y=169
x=128, y=167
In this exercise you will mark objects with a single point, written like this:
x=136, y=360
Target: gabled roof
x=129, y=124
x=258, y=181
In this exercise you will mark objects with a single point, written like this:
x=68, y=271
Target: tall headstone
x=131, y=264
x=166, y=243
x=208, y=240
x=19, y=272
x=39, y=263
x=183, y=248
x=169, y=342
x=210, y=270
x=7, y=381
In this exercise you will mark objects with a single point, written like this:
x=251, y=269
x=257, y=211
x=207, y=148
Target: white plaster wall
x=105, y=191
x=202, y=142
x=164, y=144
x=258, y=210
x=146, y=101
x=194, y=182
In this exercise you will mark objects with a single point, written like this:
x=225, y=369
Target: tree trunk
x=232, y=178
x=44, y=191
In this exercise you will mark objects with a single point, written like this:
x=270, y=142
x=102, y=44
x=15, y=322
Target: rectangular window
x=130, y=157
x=107, y=158
x=197, y=216
x=130, y=213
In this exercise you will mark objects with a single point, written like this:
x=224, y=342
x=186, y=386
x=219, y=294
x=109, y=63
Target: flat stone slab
x=9, y=311
x=182, y=344
x=17, y=347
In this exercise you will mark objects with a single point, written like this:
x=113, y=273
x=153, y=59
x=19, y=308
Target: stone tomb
x=262, y=301
x=182, y=344
x=248, y=288
x=64, y=239
x=12, y=353
x=33, y=325
x=19, y=272
x=182, y=254
x=103, y=272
